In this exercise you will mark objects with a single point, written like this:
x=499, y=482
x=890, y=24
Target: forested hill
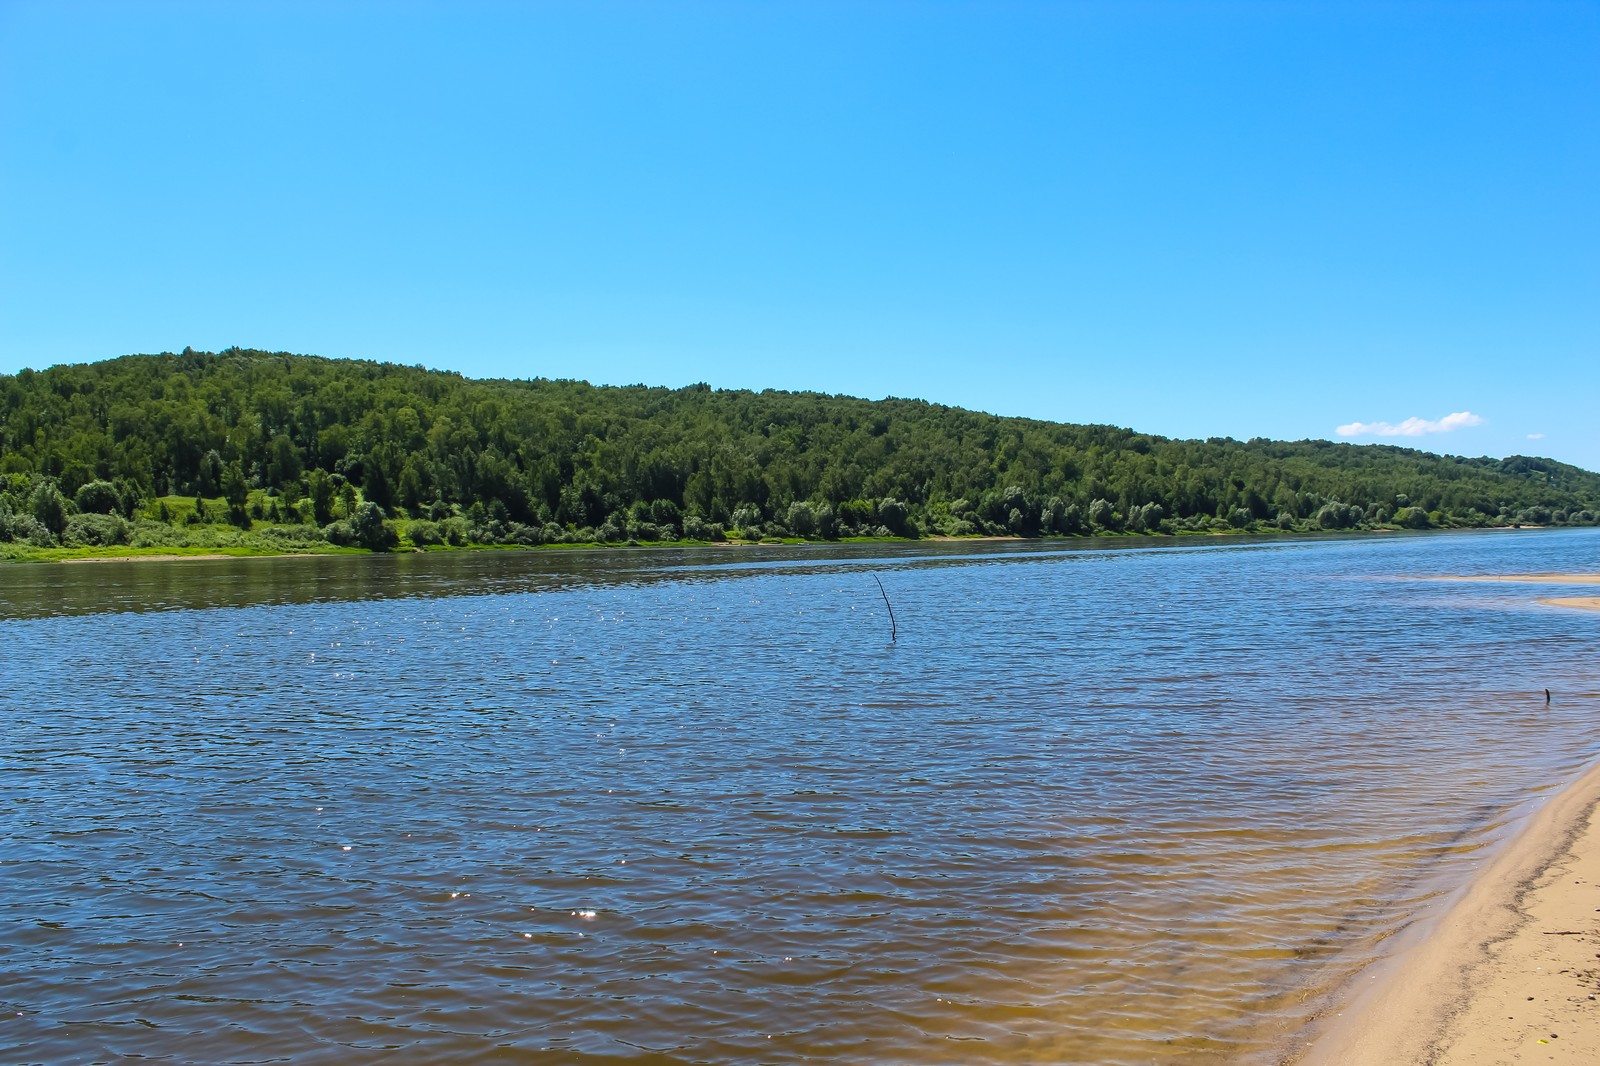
x=304, y=441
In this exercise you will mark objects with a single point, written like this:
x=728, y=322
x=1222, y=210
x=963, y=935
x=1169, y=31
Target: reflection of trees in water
x=45, y=590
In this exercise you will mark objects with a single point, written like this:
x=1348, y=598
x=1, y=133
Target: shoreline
x=164, y=557
x=1508, y=969
x=163, y=553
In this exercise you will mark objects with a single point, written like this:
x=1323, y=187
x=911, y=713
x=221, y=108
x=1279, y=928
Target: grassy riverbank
x=220, y=544
x=169, y=543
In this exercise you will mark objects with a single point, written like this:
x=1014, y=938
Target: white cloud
x=1411, y=427
x=1536, y=436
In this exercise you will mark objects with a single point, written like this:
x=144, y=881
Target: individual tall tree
x=319, y=489
x=236, y=491
x=50, y=507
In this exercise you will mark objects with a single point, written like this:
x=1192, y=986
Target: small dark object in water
x=893, y=629
x=1547, y=695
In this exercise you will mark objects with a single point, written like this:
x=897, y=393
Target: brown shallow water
x=1127, y=805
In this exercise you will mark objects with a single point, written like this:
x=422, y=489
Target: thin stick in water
x=893, y=629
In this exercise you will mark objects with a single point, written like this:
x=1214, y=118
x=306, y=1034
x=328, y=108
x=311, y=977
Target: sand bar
x=1587, y=603
x=1508, y=974
x=1534, y=579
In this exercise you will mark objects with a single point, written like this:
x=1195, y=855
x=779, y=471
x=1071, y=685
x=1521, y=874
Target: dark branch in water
x=893, y=629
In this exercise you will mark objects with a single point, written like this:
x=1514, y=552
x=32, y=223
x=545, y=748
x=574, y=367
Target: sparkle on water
x=1095, y=804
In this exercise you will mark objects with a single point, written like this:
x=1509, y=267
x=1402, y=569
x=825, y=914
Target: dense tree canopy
x=336, y=445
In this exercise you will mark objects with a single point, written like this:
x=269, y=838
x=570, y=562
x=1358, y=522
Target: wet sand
x=1509, y=973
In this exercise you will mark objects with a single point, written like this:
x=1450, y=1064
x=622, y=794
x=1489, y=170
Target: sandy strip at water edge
x=1587, y=603
x=1535, y=579
x=165, y=558
x=1509, y=973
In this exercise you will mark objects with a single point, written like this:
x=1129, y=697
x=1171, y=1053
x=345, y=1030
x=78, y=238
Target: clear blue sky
x=1195, y=219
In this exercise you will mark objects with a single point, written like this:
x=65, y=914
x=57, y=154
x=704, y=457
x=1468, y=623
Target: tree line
x=351, y=452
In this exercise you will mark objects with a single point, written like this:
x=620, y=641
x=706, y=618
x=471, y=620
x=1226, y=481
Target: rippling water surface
x=1095, y=804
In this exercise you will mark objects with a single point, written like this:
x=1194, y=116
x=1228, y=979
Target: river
x=1141, y=801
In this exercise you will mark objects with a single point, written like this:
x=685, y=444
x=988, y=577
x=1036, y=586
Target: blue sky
x=1195, y=219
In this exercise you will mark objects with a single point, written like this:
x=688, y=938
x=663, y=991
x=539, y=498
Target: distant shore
x=166, y=557
x=163, y=553
x=1508, y=973
x=15, y=553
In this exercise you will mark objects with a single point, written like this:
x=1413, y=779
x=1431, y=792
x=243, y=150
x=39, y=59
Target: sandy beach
x=1509, y=973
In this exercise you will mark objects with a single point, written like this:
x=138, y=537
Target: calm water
x=1094, y=805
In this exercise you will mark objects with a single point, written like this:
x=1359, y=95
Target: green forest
x=259, y=451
